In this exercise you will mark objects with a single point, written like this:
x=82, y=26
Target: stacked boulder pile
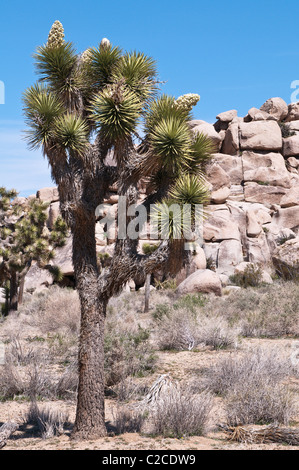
x=253, y=216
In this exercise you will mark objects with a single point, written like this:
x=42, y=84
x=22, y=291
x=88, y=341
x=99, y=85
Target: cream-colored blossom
x=187, y=102
x=56, y=35
x=86, y=56
x=105, y=43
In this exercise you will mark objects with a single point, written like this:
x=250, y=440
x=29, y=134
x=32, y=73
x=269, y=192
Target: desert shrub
x=257, y=367
x=49, y=423
x=177, y=330
x=250, y=277
x=191, y=302
x=251, y=387
x=160, y=311
x=183, y=329
x=285, y=131
x=168, y=284
x=126, y=420
x=67, y=385
x=179, y=414
x=259, y=403
x=267, y=311
x=53, y=310
x=127, y=352
x=217, y=334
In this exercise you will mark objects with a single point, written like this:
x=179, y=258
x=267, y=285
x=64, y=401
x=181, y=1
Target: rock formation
x=254, y=209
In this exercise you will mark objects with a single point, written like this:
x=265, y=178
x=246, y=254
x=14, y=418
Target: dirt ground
x=179, y=365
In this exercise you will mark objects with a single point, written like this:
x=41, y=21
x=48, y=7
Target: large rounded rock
x=48, y=195
x=291, y=146
x=276, y=107
x=293, y=112
x=227, y=116
x=268, y=168
x=232, y=165
x=202, y=127
x=204, y=281
x=260, y=135
x=229, y=256
x=286, y=259
x=264, y=194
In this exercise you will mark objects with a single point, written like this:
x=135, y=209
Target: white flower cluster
x=187, y=102
x=56, y=35
x=86, y=56
x=105, y=43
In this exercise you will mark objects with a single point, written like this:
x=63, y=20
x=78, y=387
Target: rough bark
x=13, y=302
x=90, y=417
x=147, y=293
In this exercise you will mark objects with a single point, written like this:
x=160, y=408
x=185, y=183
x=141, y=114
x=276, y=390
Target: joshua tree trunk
x=13, y=302
x=90, y=417
x=147, y=293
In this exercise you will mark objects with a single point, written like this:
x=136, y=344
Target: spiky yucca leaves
x=55, y=272
x=202, y=148
x=164, y=108
x=5, y=197
x=56, y=36
x=71, y=133
x=116, y=111
x=139, y=73
x=170, y=142
x=101, y=65
x=190, y=189
x=59, y=68
x=41, y=108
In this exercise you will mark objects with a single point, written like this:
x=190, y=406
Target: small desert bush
x=182, y=329
x=48, y=423
x=257, y=367
x=54, y=310
x=127, y=352
x=177, y=330
x=191, y=302
x=268, y=311
x=217, y=334
x=250, y=277
x=180, y=414
x=259, y=403
x=127, y=420
x=128, y=389
x=252, y=387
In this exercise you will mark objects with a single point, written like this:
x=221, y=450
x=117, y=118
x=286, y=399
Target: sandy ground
x=180, y=366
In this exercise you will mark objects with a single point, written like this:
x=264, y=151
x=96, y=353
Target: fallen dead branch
x=262, y=435
x=6, y=431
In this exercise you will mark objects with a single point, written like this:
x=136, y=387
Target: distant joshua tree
x=82, y=108
x=24, y=238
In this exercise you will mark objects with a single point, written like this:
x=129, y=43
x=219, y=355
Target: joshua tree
x=83, y=108
x=24, y=238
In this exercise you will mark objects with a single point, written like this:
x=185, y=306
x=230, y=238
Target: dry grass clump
x=259, y=403
x=127, y=352
x=252, y=389
x=180, y=414
x=47, y=422
x=177, y=330
x=182, y=329
x=54, y=310
x=257, y=366
x=127, y=420
x=269, y=312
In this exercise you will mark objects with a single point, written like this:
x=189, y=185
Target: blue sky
x=234, y=54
